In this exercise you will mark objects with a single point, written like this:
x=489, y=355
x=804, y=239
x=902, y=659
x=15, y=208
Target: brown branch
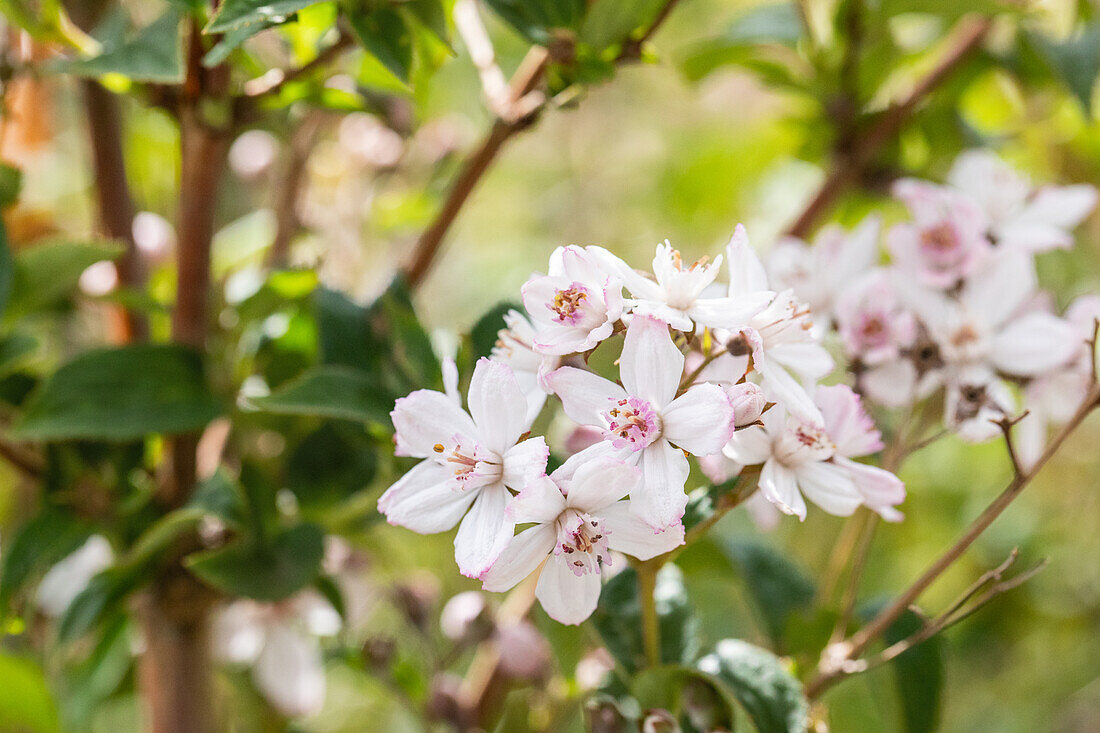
x=288, y=188
x=847, y=168
x=30, y=464
x=830, y=669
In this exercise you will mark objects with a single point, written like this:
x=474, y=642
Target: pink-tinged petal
x=1033, y=237
x=660, y=311
x=808, y=360
x=484, y=532
x=700, y=420
x=661, y=500
x=997, y=291
x=290, y=672
x=781, y=387
x=1034, y=343
x=719, y=468
x=584, y=395
x=567, y=598
x=880, y=489
x=525, y=462
x=1063, y=207
x=849, y=426
x=522, y=557
x=747, y=274
x=601, y=482
x=749, y=446
x=424, y=500
x=541, y=501
x=731, y=312
x=650, y=366
x=630, y=534
x=497, y=405
x=425, y=418
x=595, y=452
x=829, y=486
x=779, y=486
x=638, y=284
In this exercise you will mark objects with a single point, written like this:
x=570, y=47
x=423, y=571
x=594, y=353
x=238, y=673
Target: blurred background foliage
x=736, y=115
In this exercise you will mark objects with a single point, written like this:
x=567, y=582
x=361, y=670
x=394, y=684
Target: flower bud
x=524, y=652
x=462, y=614
x=748, y=403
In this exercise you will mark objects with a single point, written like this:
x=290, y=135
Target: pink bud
x=582, y=437
x=748, y=403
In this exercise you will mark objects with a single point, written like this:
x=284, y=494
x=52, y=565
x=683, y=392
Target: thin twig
x=29, y=463
x=1006, y=424
x=289, y=187
x=847, y=168
x=273, y=81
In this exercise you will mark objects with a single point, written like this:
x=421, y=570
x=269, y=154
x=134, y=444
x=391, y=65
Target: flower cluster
x=727, y=373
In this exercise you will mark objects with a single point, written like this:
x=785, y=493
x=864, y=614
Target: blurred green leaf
x=618, y=619
x=221, y=496
x=11, y=183
x=7, y=269
x=1074, y=61
x=770, y=695
x=608, y=22
x=96, y=678
x=330, y=464
x=384, y=33
x=121, y=394
x=102, y=595
x=40, y=543
x=26, y=705
x=330, y=391
x=483, y=335
x=264, y=571
x=706, y=500
x=14, y=350
x=344, y=333
x=537, y=19
x=776, y=25
x=233, y=40
x=153, y=53
x=432, y=15
x=161, y=534
x=918, y=674
x=46, y=273
x=234, y=14
x=697, y=699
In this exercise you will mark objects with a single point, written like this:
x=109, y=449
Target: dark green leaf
x=704, y=501
x=611, y=21
x=918, y=674
x=267, y=571
x=161, y=534
x=343, y=332
x=121, y=394
x=233, y=40
x=330, y=464
x=618, y=619
x=221, y=496
x=153, y=53
x=98, y=599
x=46, y=273
x=235, y=14
x=537, y=19
x=778, y=587
x=763, y=25
x=25, y=702
x=432, y=15
x=407, y=347
x=1075, y=61
x=694, y=697
x=14, y=350
x=11, y=182
x=770, y=695
x=385, y=35
x=40, y=543
x=7, y=269
x=330, y=391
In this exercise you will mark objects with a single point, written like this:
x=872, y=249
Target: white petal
x=848, y=424
x=601, y=482
x=236, y=634
x=484, y=532
x=521, y=558
x=603, y=449
x=541, y=501
x=891, y=385
x=779, y=486
x=65, y=580
x=630, y=534
x=661, y=311
x=567, y=598
x=785, y=389
x=425, y=418
x=880, y=489
x=290, y=672
x=829, y=486
x=650, y=366
x=808, y=360
x=661, y=500
x=730, y=312
x=497, y=404
x=638, y=285
x=584, y=396
x=1034, y=343
x=1061, y=206
x=996, y=292
x=700, y=420
x=747, y=274
x=525, y=462
x=424, y=501
x=749, y=446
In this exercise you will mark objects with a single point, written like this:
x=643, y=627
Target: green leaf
x=231, y=41
x=11, y=183
x=14, y=350
x=330, y=464
x=1075, y=61
x=770, y=695
x=778, y=587
x=263, y=571
x=699, y=700
x=45, y=274
x=25, y=701
x=618, y=619
x=432, y=15
x=161, y=534
x=611, y=21
x=918, y=674
x=537, y=19
x=385, y=35
x=121, y=394
x=43, y=541
x=221, y=496
x=330, y=391
x=7, y=268
x=101, y=596
x=344, y=334
x=763, y=25
x=235, y=14
x=153, y=53
x=483, y=335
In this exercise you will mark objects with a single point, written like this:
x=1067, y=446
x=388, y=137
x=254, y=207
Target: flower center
x=632, y=422
x=583, y=541
x=471, y=465
x=940, y=238
x=568, y=304
x=803, y=442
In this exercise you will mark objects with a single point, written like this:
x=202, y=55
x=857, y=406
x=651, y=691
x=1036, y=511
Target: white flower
x=469, y=462
x=515, y=347
x=69, y=577
x=802, y=458
x=1020, y=217
x=578, y=518
x=675, y=295
x=575, y=306
x=873, y=324
x=646, y=424
x=945, y=241
x=280, y=643
x=821, y=274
